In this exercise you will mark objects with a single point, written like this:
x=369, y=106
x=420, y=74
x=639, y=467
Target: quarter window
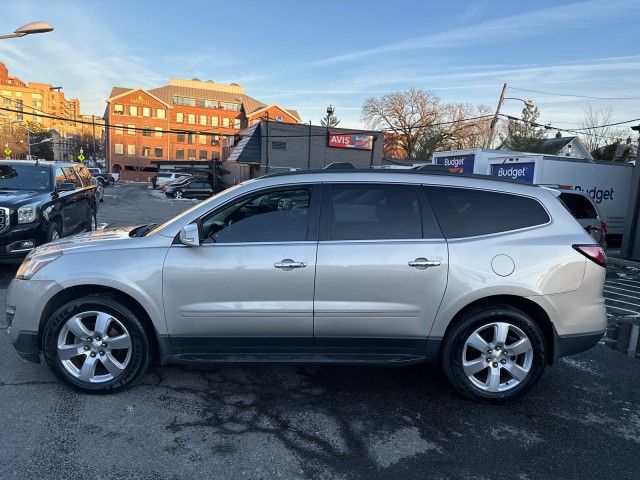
x=276, y=216
x=374, y=212
x=465, y=212
x=579, y=206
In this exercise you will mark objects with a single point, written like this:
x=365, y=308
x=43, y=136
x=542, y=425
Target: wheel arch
x=74, y=292
x=529, y=307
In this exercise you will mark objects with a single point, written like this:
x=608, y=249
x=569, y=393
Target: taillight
x=593, y=252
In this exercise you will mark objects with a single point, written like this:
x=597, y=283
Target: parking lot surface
x=330, y=422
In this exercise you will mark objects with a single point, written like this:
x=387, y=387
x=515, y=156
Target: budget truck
x=608, y=183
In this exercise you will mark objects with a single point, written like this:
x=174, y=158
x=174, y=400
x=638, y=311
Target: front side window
x=275, y=216
x=374, y=212
x=465, y=212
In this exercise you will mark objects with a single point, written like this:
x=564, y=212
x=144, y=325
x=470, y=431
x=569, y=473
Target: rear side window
x=374, y=212
x=464, y=212
x=85, y=176
x=579, y=206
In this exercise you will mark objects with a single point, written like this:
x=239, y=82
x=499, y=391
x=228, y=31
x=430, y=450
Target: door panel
x=381, y=267
x=368, y=290
x=234, y=290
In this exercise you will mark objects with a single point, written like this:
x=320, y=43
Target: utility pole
x=494, y=121
x=93, y=125
x=267, y=158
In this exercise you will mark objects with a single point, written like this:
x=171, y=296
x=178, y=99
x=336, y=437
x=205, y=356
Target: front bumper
x=10, y=240
x=26, y=300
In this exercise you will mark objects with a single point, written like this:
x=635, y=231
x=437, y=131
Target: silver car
x=491, y=279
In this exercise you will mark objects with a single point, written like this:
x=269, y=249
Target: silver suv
x=491, y=279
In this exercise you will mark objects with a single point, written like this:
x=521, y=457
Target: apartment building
x=183, y=120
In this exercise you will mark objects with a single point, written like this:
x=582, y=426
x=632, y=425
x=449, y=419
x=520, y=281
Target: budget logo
x=457, y=164
x=514, y=171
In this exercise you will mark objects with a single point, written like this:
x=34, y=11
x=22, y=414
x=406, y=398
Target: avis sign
x=357, y=141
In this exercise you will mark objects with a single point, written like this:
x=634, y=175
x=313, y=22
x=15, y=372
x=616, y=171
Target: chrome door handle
x=288, y=264
x=422, y=263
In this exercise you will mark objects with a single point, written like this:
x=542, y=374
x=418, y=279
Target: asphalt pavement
x=331, y=422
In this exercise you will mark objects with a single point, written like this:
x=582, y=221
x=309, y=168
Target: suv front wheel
x=494, y=353
x=96, y=344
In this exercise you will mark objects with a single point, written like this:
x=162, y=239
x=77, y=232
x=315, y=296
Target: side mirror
x=66, y=187
x=190, y=236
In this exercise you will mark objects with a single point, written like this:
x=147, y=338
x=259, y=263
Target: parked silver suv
x=492, y=279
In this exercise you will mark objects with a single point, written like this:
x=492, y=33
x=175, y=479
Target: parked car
x=176, y=181
x=190, y=188
x=491, y=279
x=165, y=177
x=42, y=201
x=585, y=211
x=103, y=178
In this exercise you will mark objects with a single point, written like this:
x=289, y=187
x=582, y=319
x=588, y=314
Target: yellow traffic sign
x=81, y=157
x=7, y=151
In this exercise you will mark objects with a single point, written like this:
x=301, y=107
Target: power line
x=591, y=97
x=548, y=126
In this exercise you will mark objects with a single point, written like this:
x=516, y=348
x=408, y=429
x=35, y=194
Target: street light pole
x=29, y=29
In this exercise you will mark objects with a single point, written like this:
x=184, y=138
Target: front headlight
x=27, y=214
x=33, y=264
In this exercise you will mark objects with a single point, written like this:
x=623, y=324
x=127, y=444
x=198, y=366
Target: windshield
x=25, y=177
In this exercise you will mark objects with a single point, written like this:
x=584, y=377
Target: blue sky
x=306, y=55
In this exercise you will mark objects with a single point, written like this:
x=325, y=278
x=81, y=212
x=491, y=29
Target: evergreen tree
x=523, y=135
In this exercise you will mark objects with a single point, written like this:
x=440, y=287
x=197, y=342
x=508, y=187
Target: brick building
x=184, y=120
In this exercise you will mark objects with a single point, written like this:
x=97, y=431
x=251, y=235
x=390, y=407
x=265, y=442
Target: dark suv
x=43, y=201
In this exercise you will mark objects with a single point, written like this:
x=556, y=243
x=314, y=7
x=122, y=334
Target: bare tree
x=596, y=138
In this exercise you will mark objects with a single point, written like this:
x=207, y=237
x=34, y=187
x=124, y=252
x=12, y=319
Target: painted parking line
x=623, y=309
x=623, y=279
x=625, y=284
x=621, y=301
x=620, y=294
x=620, y=288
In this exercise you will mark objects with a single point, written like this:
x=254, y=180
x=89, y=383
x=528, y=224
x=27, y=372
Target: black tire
x=140, y=346
x=92, y=221
x=53, y=230
x=453, y=348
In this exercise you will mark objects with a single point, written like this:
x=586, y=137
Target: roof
x=115, y=91
x=146, y=92
x=248, y=148
x=167, y=92
x=292, y=113
x=551, y=146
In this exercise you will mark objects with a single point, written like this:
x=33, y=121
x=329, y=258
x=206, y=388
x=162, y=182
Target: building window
x=192, y=154
x=146, y=111
x=225, y=122
x=146, y=131
x=191, y=138
x=215, y=121
x=215, y=140
x=190, y=102
x=158, y=131
x=191, y=118
x=131, y=129
x=203, y=154
x=146, y=151
x=180, y=117
x=202, y=139
x=119, y=149
x=160, y=113
x=119, y=129
x=278, y=118
x=180, y=154
x=180, y=137
x=133, y=110
x=131, y=149
x=203, y=119
x=236, y=123
x=157, y=152
x=208, y=103
x=230, y=106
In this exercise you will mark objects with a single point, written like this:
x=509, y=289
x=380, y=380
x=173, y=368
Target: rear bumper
x=571, y=344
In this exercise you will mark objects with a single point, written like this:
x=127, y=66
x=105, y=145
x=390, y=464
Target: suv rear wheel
x=96, y=344
x=494, y=353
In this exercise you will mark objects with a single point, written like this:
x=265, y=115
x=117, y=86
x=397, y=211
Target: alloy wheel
x=497, y=357
x=94, y=347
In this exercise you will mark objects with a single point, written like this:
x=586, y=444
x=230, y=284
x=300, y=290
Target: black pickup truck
x=43, y=201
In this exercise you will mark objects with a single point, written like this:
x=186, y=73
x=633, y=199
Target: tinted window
x=276, y=216
x=465, y=212
x=70, y=173
x=24, y=177
x=579, y=206
x=85, y=176
x=374, y=212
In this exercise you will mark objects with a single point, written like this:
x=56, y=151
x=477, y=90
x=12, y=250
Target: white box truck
x=608, y=183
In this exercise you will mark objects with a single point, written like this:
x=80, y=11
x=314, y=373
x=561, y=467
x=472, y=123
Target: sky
x=309, y=54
